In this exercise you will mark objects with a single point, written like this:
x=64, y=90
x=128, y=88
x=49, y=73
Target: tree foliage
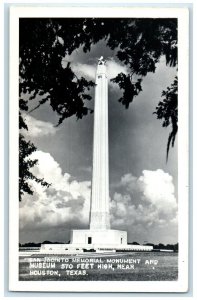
x=44, y=43
x=167, y=110
x=130, y=89
x=26, y=148
x=25, y=165
x=140, y=43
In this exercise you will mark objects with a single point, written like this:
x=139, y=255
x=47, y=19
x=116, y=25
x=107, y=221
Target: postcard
x=98, y=172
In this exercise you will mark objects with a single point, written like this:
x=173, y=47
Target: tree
x=139, y=44
x=26, y=148
x=168, y=110
x=25, y=164
x=134, y=243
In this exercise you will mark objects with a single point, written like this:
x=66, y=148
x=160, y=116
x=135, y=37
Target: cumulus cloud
x=64, y=205
x=158, y=190
x=144, y=206
x=37, y=128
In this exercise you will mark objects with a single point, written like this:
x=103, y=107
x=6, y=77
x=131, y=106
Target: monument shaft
x=99, y=211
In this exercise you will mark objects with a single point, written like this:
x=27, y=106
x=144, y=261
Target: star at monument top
x=101, y=61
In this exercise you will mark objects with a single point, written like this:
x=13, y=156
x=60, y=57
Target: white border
x=109, y=286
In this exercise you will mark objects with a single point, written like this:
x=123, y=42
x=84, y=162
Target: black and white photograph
x=99, y=185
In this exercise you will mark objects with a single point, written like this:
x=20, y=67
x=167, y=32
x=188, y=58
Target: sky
x=143, y=187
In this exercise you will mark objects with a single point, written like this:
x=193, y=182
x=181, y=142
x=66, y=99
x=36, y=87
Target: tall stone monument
x=100, y=232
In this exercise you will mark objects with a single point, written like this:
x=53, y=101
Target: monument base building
x=91, y=240
x=111, y=241
x=99, y=241
x=94, y=240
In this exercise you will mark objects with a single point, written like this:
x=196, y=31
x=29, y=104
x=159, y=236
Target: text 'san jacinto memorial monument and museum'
x=99, y=237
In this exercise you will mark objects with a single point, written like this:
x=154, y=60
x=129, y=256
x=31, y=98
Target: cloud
x=158, y=190
x=84, y=70
x=146, y=207
x=37, y=128
x=89, y=71
x=114, y=68
x=64, y=205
